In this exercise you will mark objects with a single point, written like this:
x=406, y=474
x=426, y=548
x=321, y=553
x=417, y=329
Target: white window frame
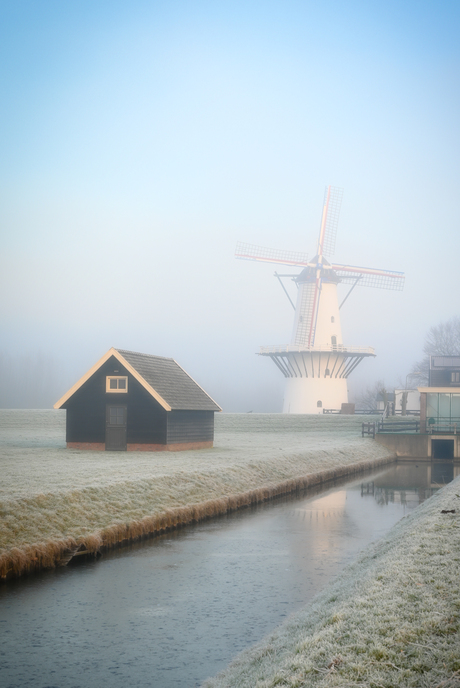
x=116, y=377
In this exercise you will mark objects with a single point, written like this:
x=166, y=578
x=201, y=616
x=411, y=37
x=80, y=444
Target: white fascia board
x=141, y=381
x=95, y=368
x=440, y=390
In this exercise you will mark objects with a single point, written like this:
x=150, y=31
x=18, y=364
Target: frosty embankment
x=390, y=619
x=54, y=500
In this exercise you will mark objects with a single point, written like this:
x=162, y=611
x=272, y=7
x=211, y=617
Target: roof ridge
x=139, y=353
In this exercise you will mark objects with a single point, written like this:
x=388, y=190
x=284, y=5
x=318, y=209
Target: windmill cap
x=308, y=274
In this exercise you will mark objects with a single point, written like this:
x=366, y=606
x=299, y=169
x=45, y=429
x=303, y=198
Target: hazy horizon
x=140, y=142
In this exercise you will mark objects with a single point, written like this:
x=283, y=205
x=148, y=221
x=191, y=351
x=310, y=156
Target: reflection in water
x=409, y=482
x=442, y=473
x=172, y=611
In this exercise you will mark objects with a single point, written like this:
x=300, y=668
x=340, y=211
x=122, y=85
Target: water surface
x=172, y=611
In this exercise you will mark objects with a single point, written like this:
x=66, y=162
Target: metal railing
x=432, y=426
x=398, y=426
x=386, y=410
x=381, y=426
x=442, y=426
x=357, y=412
x=339, y=348
x=368, y=429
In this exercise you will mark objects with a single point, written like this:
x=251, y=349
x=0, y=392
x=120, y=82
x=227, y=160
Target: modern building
x=440, y=401
x=437, y=434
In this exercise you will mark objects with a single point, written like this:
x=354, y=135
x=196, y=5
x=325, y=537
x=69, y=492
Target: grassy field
x=392, y=619
x=53, y=500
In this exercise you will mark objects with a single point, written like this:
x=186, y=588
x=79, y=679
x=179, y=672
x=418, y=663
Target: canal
x=172, y=611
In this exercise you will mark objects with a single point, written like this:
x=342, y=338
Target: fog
x=141, y=141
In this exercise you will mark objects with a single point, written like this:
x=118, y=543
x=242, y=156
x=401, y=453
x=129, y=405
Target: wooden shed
x=132, y=401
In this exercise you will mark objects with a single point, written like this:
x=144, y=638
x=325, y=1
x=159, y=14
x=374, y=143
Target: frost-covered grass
x=390, y=619
x=53, y=498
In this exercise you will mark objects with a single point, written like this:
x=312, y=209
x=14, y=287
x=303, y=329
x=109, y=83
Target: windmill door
x=115, y=428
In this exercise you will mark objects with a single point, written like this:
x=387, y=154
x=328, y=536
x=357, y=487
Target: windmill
x=316, y=364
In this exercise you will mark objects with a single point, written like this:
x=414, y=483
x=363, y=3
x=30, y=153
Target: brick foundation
x=183, y=446
x=93, y=446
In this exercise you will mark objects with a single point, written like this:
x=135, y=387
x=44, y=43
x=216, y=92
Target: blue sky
x=139, y=141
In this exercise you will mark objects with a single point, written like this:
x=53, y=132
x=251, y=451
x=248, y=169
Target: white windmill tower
x=316, y=364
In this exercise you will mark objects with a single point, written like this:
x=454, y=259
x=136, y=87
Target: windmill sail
x=304, y=326
x=314, y=280
x=326, y=244
x=270, y=255
x=329, y=221
x=370, y=277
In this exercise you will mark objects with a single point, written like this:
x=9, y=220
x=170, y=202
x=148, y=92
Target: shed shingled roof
x=163, y=379
x=170, y=381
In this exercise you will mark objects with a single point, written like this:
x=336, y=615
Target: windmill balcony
x=339, y=348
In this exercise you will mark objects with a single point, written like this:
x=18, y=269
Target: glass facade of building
x=443, y=407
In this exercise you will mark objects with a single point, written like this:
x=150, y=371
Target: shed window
x=116, y=384
x=455, y=377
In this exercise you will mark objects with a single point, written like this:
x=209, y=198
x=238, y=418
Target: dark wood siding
x=85, y=420
x=86, y=409
x=190, y=426
x=147, y=420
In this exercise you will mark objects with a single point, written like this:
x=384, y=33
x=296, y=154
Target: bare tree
x=367, y=400
x=404, y=397
x=440, y=340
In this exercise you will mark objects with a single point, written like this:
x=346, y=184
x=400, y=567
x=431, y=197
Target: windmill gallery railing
x=292, y=348
x=328, y=361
